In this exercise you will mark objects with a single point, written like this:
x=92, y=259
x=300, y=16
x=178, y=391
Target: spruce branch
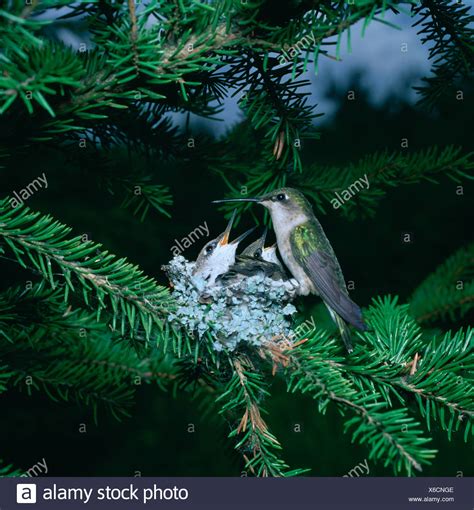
x=4, y=377
x=259, y=180
x=276, y=104
x=136, y=301
x=133, y=31
x=149, y=53
x=395, y=360
x=38, y=314
x=448, y=293
x=448, y=26
x=243, y=396
x=383, y=171
x=444, y=381
x=201, y=381
x=18, y=28
x=391, y=434
x=43, y=78
x=391, y=367
x=141, y=195
x=69, y=355
x=7, y=470
x=37, y=311
x=324, y=184
x=75, y=377
x=62, y=360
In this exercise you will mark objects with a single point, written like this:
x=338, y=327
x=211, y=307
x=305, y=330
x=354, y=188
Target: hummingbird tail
x=345, y=334
x=344, y=329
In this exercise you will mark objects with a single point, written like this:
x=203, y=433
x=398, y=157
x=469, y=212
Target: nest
x=251, y=309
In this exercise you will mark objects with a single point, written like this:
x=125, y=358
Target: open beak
x=243, y=236
x=226, y=234
x=235, y=200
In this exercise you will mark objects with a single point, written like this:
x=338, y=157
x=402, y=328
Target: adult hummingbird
x=309, y=256
x=218, y=255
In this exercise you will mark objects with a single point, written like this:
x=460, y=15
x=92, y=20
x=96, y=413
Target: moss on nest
x=250, y=309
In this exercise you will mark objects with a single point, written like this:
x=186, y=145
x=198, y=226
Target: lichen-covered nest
x=250, y=309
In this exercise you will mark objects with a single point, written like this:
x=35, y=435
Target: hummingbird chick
x=218, y=255
x=252, y=262
x=258, y=250
x=255, y=249
x=308, y=255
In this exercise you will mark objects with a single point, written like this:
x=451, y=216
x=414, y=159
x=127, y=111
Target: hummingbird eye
x=280, y=197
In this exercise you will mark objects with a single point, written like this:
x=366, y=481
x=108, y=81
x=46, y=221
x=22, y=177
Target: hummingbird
x=258, y=250
x=309, y=256
x=255, y=249
x=252, y=262
x=269, y=254
x=218, y=255
x=266, y=253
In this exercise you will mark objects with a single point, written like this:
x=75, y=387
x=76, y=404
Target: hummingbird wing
x=320, y=264
x=249, y=266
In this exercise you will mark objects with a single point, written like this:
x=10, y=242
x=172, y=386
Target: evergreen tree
x=88, y=322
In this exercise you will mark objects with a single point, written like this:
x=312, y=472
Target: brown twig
x=134, y=31
x=252, y=417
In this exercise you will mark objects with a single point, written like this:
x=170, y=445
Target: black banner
x=237, y=493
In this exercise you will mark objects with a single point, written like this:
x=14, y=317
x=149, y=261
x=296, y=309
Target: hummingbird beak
x=243, y=236
x=226, y=233
x=260, y=243
x=235, y=200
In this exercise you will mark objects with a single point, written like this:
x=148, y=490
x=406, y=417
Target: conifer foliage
x=90, y=321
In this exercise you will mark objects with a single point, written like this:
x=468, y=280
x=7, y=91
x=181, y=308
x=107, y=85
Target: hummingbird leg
x=291, y=286
x=293, y=283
